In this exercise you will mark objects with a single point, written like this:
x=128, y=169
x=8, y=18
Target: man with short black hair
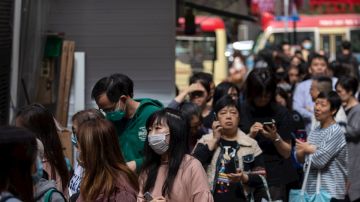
x=114, y=97
x=302, y=101
x=348, y=64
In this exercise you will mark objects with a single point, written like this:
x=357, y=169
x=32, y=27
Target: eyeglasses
x=109, y=109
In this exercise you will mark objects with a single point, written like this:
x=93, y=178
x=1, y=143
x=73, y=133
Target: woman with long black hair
x=168, y=172
x=40, y=121
x=18, y=153
x=274, y=139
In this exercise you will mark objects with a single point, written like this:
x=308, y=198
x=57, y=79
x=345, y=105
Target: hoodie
x=44, y=186
x=132, y=132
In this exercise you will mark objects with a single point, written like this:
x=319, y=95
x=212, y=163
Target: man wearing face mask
x=114, y=97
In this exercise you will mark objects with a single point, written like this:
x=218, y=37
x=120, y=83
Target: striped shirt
x=330, y=158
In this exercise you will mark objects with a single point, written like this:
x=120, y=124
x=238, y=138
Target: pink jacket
x=124, y=193
x=190, y=183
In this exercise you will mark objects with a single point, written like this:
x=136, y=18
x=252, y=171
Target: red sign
x=334, y=6
x=207, y=24
x=337, y=20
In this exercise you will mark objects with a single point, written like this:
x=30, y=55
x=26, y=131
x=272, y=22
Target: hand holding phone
x=217, y=128
x=269, y=130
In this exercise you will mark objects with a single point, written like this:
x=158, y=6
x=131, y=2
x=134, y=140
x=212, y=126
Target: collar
x=242, y=139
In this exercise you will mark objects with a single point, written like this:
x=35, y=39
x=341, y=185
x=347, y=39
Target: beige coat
x=247, y=146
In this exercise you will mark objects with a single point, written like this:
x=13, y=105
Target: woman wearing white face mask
x=169, y=173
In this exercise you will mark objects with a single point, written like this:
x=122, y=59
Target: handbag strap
x=266, y=187
x=306, y=176
x=318, y=182
x=318, y=178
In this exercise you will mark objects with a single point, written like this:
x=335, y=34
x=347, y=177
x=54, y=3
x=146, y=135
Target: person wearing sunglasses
x=199, y=92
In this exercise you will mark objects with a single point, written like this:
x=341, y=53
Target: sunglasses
x=197, y=93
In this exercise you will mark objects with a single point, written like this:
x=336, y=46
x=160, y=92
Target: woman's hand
x=217, y=129
x=159, y=199
x=255, y=128
x=269, y=132
x=239, y=176
x=305, y=147
x=195, y=87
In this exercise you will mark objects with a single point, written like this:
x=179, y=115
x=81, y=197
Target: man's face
x=318, y=67
x=287, y=50
x=107, y=106
x=314, y=91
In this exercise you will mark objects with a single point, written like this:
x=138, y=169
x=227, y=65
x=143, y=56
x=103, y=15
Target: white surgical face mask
x=307, y=46
x=158, y=143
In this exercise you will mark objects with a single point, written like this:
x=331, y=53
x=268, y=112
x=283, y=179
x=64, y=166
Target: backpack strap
x=4, y=199
x=48, y=194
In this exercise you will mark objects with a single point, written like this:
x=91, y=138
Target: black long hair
x=260, y=81
x=17, y=155
x=178, y=147
x=40, y=121
x=222, y=89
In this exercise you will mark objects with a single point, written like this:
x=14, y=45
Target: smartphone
x=269, y=123
x=148, y=196
x=215, y=117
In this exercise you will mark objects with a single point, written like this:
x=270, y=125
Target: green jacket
x=132, y=132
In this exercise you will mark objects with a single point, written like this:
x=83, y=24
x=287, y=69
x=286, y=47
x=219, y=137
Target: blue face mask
x=39, y=171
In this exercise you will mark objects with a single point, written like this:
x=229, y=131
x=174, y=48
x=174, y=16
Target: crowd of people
x=249, y=138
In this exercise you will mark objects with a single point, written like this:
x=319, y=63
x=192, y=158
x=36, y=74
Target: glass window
x=355, y=40
x=183, y=51
x=278, y=38
x=194, y=50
